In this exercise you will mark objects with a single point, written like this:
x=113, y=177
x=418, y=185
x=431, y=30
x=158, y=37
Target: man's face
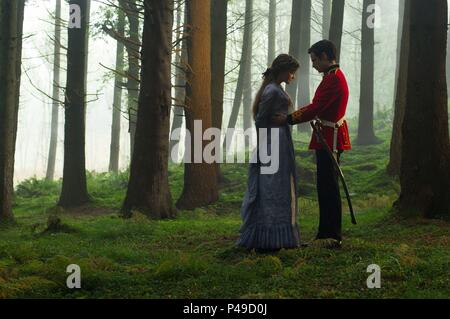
x=319, y=63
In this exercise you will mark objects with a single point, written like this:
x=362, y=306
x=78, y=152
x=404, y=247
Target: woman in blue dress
x=269, y=209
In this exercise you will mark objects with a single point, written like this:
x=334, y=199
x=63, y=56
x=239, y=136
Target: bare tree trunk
x=86, y=65
x=247, y=93
x=11, y=29
x=133, y=45
x=117, y=103
x=393, y=167
x=401, y=13
x=336, y=25
x=74, y=189
x=272, y=31
x=294, y=44
x=180, y=78
x=55, y=95
x=304, y=97
x=425, y=165
x=326, y=18
x=196, y=193
x=242, y=88
x=447, y=72
x=148, y=188
x=218, y=52
x=366, y=134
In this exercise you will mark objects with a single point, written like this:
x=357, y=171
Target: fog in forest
x=35, y=104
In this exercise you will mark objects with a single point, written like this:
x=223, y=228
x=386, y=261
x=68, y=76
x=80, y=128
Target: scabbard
x=336, y=166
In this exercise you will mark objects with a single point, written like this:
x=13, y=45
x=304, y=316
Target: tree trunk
x=11, y=29
x=425, y=165
x=148, y=188
x=195, y=193
x=272, y=31
x=336, y=25
x=247, y=93
x=133, y=45
x=218, y=53
x=447, y=72
x=294, y=44
x=326, y=18
x=393, y=167
x=304, y=97
x=401, y=14
x=180, y=79
x=117, y=103
x=74, y=189
x=366, y=134
x=242, y=87
x=55, y=95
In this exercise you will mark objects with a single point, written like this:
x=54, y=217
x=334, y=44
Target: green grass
x=194, y=255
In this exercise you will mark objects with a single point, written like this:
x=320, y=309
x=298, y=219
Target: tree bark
x=425, y=165
x=74, y=189
x=117, y=103
x=366, y=134
x=401, y=14
x=395, y=153
x=242, y=88
x=294, y=44
x=148, y=188
x=195, y=193
x=336, y=25
x=326, y=18
x=247, y=93
x=272, y=31
x=447, y=72
x=55, y=95
x=304, y=97
x=11, y=29
x=180, y=79
x=133, y=46
x=218, y=53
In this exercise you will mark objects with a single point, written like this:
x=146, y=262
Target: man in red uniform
x=329, y=105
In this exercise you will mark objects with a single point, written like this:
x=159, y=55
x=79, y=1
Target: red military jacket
x=329, y=104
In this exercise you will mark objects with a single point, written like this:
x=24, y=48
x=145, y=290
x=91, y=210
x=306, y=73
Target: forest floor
x=194, y=256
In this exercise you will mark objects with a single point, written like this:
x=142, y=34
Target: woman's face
x=288, y=76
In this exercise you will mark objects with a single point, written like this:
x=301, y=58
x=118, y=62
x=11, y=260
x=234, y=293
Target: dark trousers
x=329, y=197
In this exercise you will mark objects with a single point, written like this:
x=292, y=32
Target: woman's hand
x=279, y=119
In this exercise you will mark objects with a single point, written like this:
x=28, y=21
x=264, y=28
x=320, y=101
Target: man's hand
x=279, y=119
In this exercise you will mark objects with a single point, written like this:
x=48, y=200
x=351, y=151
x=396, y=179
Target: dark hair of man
x=326, y=47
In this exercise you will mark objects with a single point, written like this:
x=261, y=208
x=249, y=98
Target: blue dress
x=269, y=208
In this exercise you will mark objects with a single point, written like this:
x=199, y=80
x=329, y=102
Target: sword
x=316, y=129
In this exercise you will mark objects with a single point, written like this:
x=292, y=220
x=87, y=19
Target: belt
x=336, y=127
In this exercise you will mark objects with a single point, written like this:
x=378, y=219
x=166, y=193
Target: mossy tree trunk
x=200, y=181
x=366, y=133
x=74, y=187
x=218, y=53
x=336, y=25
x=148, y=187
x=425, y=164
x=11, y=29
x=55, y=94
x=114, y=150
x=395, y=153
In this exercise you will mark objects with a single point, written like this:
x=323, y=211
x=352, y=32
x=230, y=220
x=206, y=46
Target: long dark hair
x=282, y=63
